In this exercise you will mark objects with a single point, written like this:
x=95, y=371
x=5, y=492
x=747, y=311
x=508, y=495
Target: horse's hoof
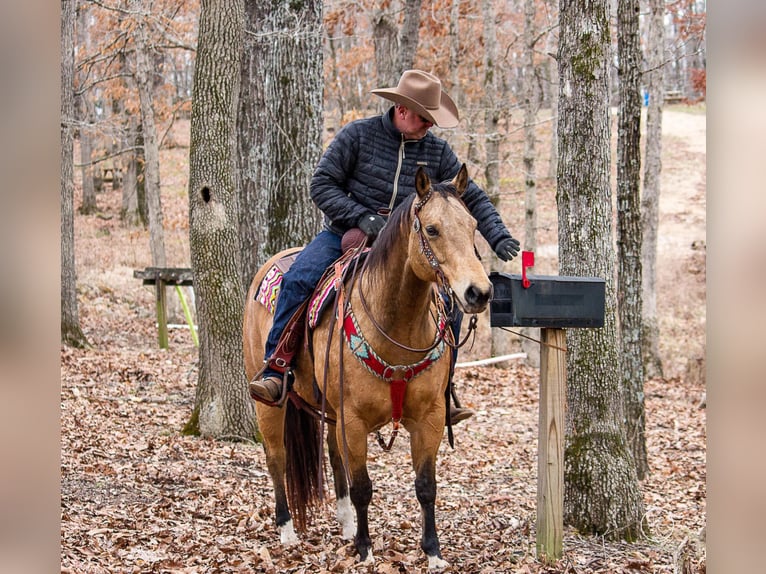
x=287, y=535
x=437, y=563
x=369, y=560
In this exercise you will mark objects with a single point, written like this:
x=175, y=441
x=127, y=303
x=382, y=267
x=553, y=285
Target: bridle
x=444, y=296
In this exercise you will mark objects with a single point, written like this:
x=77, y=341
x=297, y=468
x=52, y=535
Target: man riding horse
x=368, y=169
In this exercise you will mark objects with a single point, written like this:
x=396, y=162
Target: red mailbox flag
x=527, y=260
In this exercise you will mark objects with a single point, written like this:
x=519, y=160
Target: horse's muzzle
x=476, y=299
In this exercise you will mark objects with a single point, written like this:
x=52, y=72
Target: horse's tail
x=304, y=463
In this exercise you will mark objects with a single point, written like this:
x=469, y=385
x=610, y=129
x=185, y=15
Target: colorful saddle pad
x=323, y=295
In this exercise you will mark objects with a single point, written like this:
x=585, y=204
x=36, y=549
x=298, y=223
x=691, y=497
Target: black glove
x=507, y=249
x=371, y=224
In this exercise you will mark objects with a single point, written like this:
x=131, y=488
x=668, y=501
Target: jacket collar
x=388, y=124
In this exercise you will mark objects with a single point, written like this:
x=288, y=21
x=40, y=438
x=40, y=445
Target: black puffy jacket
x=369, y=160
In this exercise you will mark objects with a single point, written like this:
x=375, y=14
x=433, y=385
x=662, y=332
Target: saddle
x=307, y=316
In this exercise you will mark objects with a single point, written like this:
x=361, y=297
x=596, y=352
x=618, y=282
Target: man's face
x=412, y=125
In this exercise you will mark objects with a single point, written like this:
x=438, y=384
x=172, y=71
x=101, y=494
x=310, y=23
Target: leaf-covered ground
x=137, y=496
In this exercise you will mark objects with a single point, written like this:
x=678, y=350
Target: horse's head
x=441, y=245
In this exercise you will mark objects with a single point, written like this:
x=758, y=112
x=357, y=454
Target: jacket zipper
x=396, y=177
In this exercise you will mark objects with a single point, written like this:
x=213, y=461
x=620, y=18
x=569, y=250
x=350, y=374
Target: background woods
x=142, y=159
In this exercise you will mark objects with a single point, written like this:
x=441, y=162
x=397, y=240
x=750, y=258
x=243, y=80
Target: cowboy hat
x=422, y=93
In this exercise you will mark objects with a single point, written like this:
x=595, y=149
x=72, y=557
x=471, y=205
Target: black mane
x=399, y=223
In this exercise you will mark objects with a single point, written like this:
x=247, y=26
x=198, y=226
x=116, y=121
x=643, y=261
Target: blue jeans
x=299, y=282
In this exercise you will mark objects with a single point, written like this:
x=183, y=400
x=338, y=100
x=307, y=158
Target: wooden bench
x=162, y=277
x=674, y=97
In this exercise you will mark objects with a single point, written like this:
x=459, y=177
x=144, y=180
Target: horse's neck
x=400, y=302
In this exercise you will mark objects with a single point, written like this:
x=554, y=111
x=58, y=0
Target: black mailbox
x=549, y=301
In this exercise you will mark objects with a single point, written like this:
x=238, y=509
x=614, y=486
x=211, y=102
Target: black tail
x=304, y=464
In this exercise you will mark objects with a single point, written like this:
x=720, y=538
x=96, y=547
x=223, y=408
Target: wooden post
x=550, y=448
x=162, y=316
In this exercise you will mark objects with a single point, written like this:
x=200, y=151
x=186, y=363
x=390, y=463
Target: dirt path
x=681, y=258
x=682, y=197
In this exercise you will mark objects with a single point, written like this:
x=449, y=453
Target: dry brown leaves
x=139, y=497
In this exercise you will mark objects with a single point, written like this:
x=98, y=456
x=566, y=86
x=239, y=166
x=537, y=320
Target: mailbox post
x=552, y=303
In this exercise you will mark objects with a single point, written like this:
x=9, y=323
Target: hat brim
x=445, y=116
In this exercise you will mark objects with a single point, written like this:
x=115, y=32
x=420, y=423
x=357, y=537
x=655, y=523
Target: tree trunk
x=531, y=108
x=629, y=227
x=223, y=408
x=143, y=75
x=501, y=339
x=408, y=38
x=385, y=40
x=553, y=76
x=650, y=200
x=131, y=213
x=280, y=127
x=456, y=90
x=85, y=119
x=601, y=487
x=71, y=332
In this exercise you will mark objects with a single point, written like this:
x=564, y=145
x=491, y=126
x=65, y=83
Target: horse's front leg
x=361, y=485
x=425, y=439
x=343, y=511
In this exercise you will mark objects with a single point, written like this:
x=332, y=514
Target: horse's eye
x=432, y=231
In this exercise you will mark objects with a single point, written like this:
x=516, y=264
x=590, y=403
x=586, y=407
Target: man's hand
x=371, y=224
x=507, y=249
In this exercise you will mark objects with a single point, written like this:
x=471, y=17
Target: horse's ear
x=422, y=182
x=461, y=180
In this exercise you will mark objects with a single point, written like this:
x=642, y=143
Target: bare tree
x=553, y=77
x=650, y=198
x=279, y=127
x=601, y=493
x=385, y=38
x=395, y=46
x=222, y=406
x=629, y=227
x=408, y=38
x=531, y=109
x=71, y=332
x=83, y=109
x=143, y=75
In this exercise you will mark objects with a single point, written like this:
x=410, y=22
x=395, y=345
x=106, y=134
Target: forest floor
x=137, y=496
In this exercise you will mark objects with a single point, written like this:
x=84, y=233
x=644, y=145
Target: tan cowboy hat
x=422, y=93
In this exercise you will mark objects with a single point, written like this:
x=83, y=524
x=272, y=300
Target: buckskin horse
x=383, y=358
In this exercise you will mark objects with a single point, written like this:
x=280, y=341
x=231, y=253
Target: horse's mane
x=399, y=223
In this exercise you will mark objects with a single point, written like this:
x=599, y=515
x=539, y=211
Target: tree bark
x=143, y=76
x=408, y=38
x=501, y=339
x=85, y=119
x=601, y=487
x=650, y=199
x=629, y=227
x=280, y=127
x=71, y=332
x=531, y=109
x=223, y=408
x=385, y=38
x=553, y=75
x=132, y=191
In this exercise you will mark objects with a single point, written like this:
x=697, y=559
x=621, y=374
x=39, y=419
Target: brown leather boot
x=457, y=414
x=268, y=389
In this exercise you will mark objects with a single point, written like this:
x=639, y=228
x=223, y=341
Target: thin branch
x=110, y=156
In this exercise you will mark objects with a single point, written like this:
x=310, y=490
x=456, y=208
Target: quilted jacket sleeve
x=329, y=182
x=490, y=223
